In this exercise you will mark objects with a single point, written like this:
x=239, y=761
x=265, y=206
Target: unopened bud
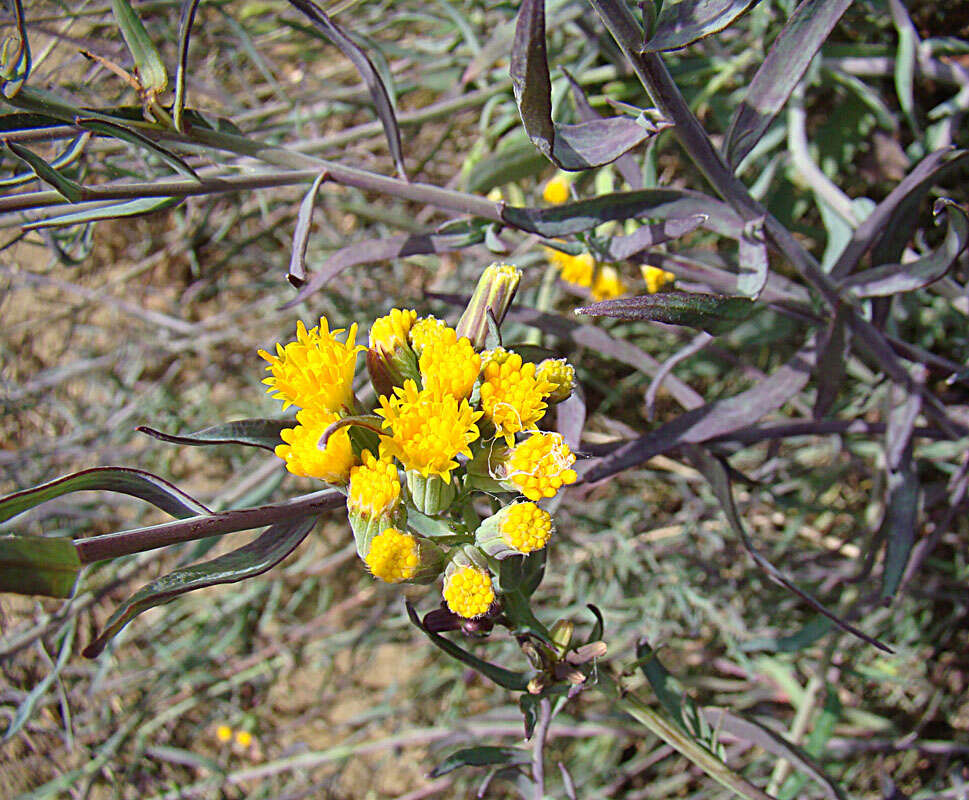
x=492, y=296
x=561, y=374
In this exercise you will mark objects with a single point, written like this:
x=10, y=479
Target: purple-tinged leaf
x=626, y=164
x=570, y=418
x=134, y=482
x=698, y=342
x=301, y=236
x=752, y=260
x=515, y=681
x=901, y=421
x=482, y=756
x=891, y=279
x=662, y=204
x=259, y=432
x=712, y=313
x=711, y=420
x=385, y=249
x=898, y=526
x=255, y=558
x=358, y=57
x=785, y=65
x=622, y=247
x=683, y=22
x=718, y=475
x=185, y=21
x=583, y=145
x=833, y=349
x=749, y=730
x=38, y=565
x=889, y=226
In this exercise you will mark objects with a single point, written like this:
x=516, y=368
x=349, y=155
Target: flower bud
x=431, y=494
x=399, y=557
x=492, y=296
x=516, y=529
x=390, y=358
x=373, y=500
x=561, y=374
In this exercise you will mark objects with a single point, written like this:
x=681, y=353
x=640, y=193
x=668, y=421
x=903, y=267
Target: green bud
x=492, y=296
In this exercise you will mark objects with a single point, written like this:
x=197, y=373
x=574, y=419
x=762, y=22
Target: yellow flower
x=223, y=733
x=374, y=487
x=394, y=556
x=578, y=269
x=243, y=738
x=303, y=456
x=607, y=284
x=561, y=374
x=427, y=430
x=388, y=333
x=468, y=592
x=540, y=466
x=526, y=527
x=512, y=397
x=390, y=359
x=449, y=366
x=315, y=371
x=425, y=331
x=656, y=278
x=556, y=190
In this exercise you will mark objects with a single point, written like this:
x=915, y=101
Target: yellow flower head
x=607, y=284
x=303, y=456
x=374, y=487
x=243, y=738
x=394, y=556
x=561, y=374
x=496, y=356
x=579, y=269
x=427, y=431
x=468, y=592
x=556, y=190
x=425, y=331
x=512, y=397
x=540, y=466
x=526, y=527
x=315, y=371
x=656, y=278
x=223, y=733
x=449, y=365
x=388, y=333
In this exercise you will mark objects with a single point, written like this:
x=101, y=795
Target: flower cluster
x=603, y=280
x=451, y=419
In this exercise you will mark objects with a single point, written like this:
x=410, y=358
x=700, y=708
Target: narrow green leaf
x=15, y=56
x=255, y=432
x=148, y=63
x=38, y=565
x=132, y=136
x=482, y=756
x=129, y=208
x=255, y=558
x=186, y=19
x=682, y=22
x=134, y=482
x=71, y=190
x=712, y=313
x=64, y=159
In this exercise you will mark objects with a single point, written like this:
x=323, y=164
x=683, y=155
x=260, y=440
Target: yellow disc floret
x=556, y=190
x=315, y=371
x=561, y=374
x=391, y=331
x=512, y=397
x=526, y=527
x=656, y=278
x=427, y=431
x=425, y=331
x=449, y=365
x=468, y=592
x=394, y=556
x=301, y=451
x=541, y=465
x=374, y=487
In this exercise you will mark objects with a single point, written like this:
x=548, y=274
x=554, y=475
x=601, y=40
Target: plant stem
x=123, y=543
x=538, y=746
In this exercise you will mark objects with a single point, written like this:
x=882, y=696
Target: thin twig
x=538, y=746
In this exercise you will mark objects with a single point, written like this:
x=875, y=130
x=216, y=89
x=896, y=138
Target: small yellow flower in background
x=449, y=366
x=303, y=456
x=427, y=431
x=656, y=278
x=315, y=371
x=578, y=269
x=561, y=374
x=425, y=331
x=540, y=466
x=394, y=556
x=468, y=591
x=495, y=195
x=243, y=738
x=607, y=284
x=223, y=733
x=374, y=487
x=556, y=190
x=512, y=397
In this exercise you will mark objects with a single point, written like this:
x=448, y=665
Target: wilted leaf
x=571, y=147
x=134, y=482
x=255, y=558
x=482, y=756
x=785, y=65
x=682, y=22
x=712, y=313
x=38, y=565
x=301, y=235
x=255, y=432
